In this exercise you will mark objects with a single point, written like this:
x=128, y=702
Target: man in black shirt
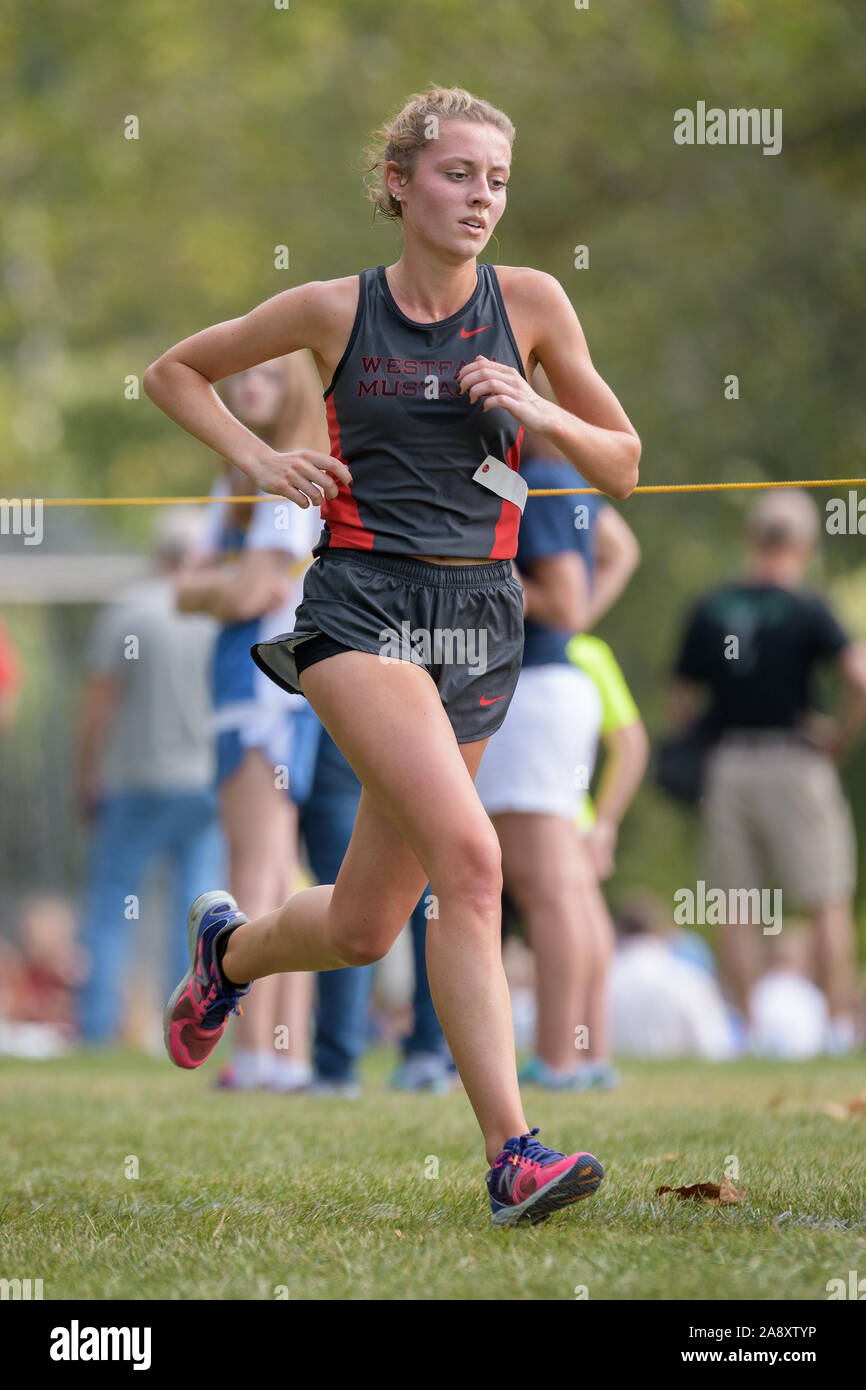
x=774, y=812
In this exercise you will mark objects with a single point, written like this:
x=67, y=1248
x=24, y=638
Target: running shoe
x=290, y=1076
x=536, y=1072
x=197, y=1014
x=528, y=1182
x=322, y=1087
x=602, y=1076
x=229, y=1080
x=423, y=1071
x=599, y=1076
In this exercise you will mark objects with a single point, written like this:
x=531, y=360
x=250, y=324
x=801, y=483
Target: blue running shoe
x=591, y=1076
x=528, y=1182
x=600, y=1076
x=536, y=1072
x=197, y=1014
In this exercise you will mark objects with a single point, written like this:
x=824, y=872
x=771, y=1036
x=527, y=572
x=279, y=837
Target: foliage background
x=253, y=121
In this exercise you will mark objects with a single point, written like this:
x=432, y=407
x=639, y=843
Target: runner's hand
x=601, y=843
x=303, y=475
x=263, y=598
x=501, y=385
x=823, y=733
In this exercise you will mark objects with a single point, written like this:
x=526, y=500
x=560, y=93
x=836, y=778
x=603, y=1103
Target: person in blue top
x=537, y=767
x=248, y=575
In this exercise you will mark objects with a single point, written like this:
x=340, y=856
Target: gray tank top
x=411, y=441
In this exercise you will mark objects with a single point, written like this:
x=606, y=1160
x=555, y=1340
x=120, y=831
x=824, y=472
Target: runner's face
x=461, y=175
x=254, y=396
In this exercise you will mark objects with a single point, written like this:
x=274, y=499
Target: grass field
x=245, y=1197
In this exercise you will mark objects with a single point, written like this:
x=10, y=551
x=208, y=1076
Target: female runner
x=426, y=366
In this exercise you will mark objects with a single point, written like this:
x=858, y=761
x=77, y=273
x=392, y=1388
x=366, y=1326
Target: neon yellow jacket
x=618, y=709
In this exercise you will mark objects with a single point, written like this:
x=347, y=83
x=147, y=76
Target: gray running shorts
x=462, y=623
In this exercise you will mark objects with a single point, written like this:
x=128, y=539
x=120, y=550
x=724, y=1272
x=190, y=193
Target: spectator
x=661, y=1005
x=10, y=681
x=247, y=573
x=774, y=811
x=51, y=963
x=145, y=772
x=787, y=1009
x=535, y=771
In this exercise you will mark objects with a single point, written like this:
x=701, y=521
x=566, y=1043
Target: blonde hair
x=402, y=139
x=786, y=516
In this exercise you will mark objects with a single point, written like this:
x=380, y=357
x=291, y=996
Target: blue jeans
x=327, y=819
x=426, y=1035
x=132, y=830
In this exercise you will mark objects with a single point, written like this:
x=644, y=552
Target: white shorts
x=542, y=758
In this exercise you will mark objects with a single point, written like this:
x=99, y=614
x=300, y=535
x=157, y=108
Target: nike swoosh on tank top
x=411, y=441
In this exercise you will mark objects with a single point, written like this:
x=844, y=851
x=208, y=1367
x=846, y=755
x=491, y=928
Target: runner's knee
x=362, y=950
x=363, y=943
x=471, y=869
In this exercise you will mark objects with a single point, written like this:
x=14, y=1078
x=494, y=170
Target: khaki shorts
x=775, y=816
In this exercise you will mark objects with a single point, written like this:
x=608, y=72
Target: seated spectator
x=788, y=1012
x=661, y=1005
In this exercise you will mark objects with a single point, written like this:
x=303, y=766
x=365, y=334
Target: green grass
x=238, y=1195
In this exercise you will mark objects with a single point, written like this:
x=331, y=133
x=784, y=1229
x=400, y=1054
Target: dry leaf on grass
x=730, y=1196
x=722, y=1194
x=835, y=1110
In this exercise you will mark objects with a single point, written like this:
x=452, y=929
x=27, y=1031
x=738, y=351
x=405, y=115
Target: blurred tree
x=704, y=261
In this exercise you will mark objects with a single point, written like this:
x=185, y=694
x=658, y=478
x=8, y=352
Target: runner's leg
x=419, y=818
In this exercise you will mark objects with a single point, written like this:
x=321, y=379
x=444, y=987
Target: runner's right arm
x=181, y=383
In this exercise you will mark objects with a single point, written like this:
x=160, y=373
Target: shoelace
x=222, y=1004
x=530, y=1150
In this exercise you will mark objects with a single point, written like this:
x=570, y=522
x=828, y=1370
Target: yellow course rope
x=534, y=492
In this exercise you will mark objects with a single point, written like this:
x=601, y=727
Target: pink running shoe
x=529, y=1182
x=197, y=1014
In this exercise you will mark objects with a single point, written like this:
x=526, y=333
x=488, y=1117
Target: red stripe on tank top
x=342, y=515
x=505, y=534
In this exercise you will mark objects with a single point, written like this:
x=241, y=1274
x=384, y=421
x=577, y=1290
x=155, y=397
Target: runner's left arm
x=589, y=426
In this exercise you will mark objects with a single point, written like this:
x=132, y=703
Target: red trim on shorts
x=345, y=526
x=505, y=534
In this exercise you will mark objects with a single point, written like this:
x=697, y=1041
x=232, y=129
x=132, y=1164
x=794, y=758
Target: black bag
x=680, y=760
